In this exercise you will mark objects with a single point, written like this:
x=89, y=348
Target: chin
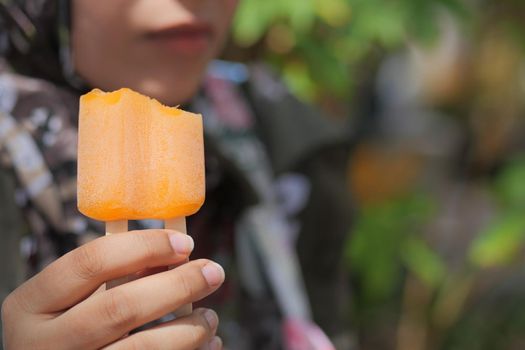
x=168, y=93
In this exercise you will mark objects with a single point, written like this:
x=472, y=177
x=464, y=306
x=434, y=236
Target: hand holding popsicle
x=65, y=298
x=138, y=159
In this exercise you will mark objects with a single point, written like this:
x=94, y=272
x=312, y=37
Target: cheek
x=227, y=13
x=98, y=29
x=231, y=6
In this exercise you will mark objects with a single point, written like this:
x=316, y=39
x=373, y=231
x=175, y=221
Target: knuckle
x=120, y=310
x=77, y=325
x=87, y=261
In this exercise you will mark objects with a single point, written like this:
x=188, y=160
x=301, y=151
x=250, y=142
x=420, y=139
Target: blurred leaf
x=301, y=14
x=500, y=244
x=379, y=238
x=334, y=12
x=457, y=7
x=252, y=20
x=325, y=68
x=298, y=77
x=383, y=22
x=423, y=27
x=510, y=184
x=423, y=262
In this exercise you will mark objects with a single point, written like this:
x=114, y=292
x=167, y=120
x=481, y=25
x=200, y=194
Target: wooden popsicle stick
x=176, y=224
x=114, y=227
x=179, y=224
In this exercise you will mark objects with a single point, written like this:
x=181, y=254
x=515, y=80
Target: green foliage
x=319, y=44
x=387, y=242
x=385, y=237
x=491, y=324
x=502, y=242
x=510, y=184
x=423, y=262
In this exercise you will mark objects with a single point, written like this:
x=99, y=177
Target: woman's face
x=158, y=47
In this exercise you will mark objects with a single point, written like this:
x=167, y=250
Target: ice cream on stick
x=138, y=159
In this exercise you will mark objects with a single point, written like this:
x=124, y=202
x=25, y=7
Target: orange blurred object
x=138, y=159
x=378, y=173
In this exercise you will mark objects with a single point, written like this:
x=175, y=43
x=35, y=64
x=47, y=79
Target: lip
x=188, y=38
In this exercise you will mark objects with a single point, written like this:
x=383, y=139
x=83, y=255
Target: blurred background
x=434, y=95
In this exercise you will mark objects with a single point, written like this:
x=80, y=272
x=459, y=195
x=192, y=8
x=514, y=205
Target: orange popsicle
x=138, y=159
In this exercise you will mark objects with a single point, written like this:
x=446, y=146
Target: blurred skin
x=160, y=48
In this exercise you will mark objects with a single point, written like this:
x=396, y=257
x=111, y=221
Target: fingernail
x=215, y=343
x=213, y=273
x=182, y=244
x=211, y=318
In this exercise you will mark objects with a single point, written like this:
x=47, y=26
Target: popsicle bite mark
x=108, y=97
x=137, y=158
x=179, y=224
x=114, y=227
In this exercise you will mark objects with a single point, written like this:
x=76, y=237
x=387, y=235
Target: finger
x=187, y=333
x=108, y=316
x=79, y=273
x=214, y=344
